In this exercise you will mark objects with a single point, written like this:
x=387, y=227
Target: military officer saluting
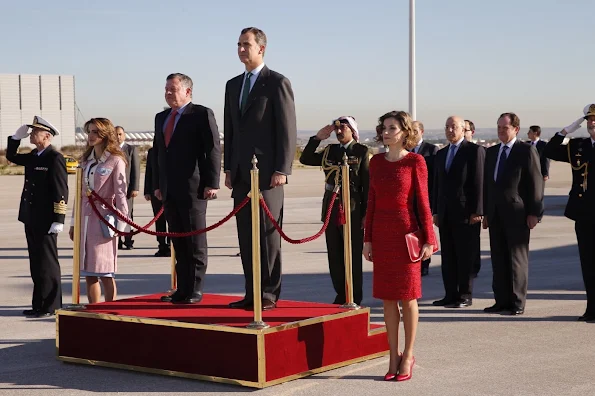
x=42, y=210
x=580, y=153
x=330, y=159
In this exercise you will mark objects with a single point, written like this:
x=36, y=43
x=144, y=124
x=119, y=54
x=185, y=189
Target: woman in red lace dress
x=396, y=178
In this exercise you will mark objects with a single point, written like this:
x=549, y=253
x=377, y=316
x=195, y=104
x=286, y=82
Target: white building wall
x=24, y=96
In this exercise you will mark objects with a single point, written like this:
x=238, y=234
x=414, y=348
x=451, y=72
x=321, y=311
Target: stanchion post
x=76, y=254
x=346, y=197
x=174, y=278
x=256, y=276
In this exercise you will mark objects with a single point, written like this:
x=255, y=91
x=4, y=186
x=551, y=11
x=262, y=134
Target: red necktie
x=169, y=128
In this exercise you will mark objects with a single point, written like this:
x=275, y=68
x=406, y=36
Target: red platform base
x=209, y=341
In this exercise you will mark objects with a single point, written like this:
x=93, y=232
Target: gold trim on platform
x=57, y=336
x=157, y=322
x=160, y=371
x=324, y=368
x=262, y=358
x=318, y=319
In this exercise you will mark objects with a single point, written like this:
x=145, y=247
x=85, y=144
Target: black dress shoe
x=494, y=309
x=242, y=304
x=339, y=300
x=268, y=304
x=163, y=253
x=460, y=304
x=514, y=311
x=441, y=303
x=174, y=297
x=194, y=298
x=30, y=312
x=43, y=314
x=586, y=317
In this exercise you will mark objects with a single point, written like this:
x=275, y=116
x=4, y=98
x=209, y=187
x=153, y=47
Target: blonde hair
x=107, y=132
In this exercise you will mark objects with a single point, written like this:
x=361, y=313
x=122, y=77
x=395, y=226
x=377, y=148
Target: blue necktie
x=502, y=162
x=451, y=155
x=246, y=91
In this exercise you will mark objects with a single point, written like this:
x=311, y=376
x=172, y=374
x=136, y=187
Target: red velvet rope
x=304, y=240
x=94, y=196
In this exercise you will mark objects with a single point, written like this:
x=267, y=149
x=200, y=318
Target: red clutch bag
x=414, y=245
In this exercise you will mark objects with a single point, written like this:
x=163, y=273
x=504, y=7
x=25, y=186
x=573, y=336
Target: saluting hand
x=325, y=132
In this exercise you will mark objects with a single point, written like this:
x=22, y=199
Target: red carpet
x=209, y=341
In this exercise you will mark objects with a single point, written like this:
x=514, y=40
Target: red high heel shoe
x=390, y=376
x=406, y=377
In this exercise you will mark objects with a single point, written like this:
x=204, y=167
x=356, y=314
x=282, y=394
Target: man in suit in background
x=458, y=211
x=132, y=178
x=164, y=249
x=469, y=133
x=259, y=120
x=186, y=173
x=428, y=151
x=580, y=154
x=469, y=130
x=534, y=139
x=513, y=205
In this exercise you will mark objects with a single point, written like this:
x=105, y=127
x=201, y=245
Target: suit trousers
x=186, y=214
x=270, y=241
x=161, y=223
x=509, y=249
x=475, y=241
x=128, y=238
x=458, y=255
x=45, y=269
x=585, y=234
x=335, y=247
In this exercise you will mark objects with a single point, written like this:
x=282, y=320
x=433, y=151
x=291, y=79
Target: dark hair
x=120, y=127
x=404, y=119
x=471, y=125
x=421, y=125
x=536, y=129
x=515, y=121
x=259, y=36
x=184, y=79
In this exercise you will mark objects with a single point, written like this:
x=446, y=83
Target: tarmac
x=458, y=351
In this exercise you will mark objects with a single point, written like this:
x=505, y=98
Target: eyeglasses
x=468, y=130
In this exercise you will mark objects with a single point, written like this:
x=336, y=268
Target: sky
x=474, y=58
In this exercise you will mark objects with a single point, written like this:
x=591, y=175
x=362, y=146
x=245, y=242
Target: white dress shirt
x=253, y=79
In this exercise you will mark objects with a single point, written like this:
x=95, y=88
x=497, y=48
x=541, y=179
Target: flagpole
x=412, y=93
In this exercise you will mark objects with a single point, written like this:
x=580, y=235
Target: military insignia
x=337, y=123
x=104, y=171
x=60, y=207
x=41, y=168
x=352, y=160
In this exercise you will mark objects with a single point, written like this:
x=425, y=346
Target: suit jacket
x=519, y=190
x=358, y=158
x=458, y=193
x=428, y=151
x=580, y=154
x=132, y=168
x=149, y=190
x=543, y=160
x=45, y=193
x=266, y=127
x=192, y=161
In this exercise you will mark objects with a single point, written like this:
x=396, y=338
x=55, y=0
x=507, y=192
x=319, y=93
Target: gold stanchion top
x=344, y=158
x=254, y=162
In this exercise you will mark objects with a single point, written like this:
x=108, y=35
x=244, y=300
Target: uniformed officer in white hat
x=580, y=153
x=42, y=210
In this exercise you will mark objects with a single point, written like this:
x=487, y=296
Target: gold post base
x=75, y=307
x=352, y=306
x=258, y=325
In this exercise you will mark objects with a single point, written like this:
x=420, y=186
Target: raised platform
x=209, y=341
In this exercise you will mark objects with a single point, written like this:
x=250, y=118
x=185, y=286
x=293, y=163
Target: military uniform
x=42, y=208
x=358, y=159
x=580, y=153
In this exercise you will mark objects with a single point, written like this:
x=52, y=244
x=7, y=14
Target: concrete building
x=23, y=96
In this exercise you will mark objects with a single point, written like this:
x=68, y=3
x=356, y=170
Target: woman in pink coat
x=104, y=171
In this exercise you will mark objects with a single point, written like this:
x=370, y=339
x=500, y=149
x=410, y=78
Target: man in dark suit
x=580, y=153
x=358, y=159
x=164, y=249
x=513, y=205
x=428, y=151
x=186, y=174
x=132, y=178
x=42, y=210
x=458, y=211
x=469, y=133
x=535, y=140
x=259, y=120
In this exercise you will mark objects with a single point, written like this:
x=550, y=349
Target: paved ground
x=459, y=352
